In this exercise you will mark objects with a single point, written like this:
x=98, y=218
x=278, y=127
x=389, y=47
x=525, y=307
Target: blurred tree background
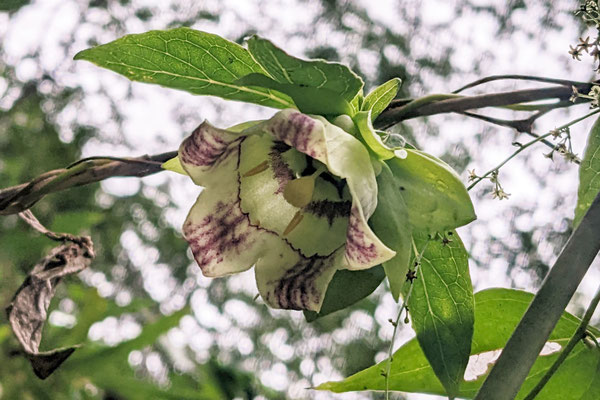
x=151, y=325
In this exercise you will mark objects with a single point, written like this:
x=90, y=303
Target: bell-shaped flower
x=290, y=195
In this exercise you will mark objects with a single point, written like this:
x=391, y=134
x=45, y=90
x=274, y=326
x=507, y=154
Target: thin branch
x=548, y=305
x=19, y=198
x=395, y=114
x=530, y=78
x=527, y=145
x=417, y=262
x=579, y=334
x=521, y=125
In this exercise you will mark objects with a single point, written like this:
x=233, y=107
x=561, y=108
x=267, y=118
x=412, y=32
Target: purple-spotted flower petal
x=292, y=196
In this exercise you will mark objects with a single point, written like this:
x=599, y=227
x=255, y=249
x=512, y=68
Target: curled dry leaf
x=29, y=307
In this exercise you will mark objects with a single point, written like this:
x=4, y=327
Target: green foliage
x=185, y=59
x=589, y=174
x=317, y=86
x=346, y=288
x=390, y=222
x=435, y=197
x=12, y=5
x=497, y=313
x=381, y=97
x=370, y=137
x=441, y=306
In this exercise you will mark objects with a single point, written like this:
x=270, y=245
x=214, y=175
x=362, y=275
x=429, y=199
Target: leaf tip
x=82, y=55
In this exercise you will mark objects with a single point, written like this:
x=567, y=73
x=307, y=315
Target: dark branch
x=394, y=113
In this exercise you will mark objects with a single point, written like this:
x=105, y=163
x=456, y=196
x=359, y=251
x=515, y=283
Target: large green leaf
x=589, y=174
x=497, y=313
x=390, y=224
x=186, y=59
x=346, y=288
x=381, y=97
x=332, y=84
x=436, y=198
x=442, y=308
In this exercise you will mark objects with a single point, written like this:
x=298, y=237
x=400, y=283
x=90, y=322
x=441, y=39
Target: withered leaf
x=28, y=310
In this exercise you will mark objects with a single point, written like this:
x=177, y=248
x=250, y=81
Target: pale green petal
x=220, y=235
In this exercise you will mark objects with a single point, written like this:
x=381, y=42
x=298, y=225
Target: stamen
x=293, y=223
x=257, y=170
x=299, y=192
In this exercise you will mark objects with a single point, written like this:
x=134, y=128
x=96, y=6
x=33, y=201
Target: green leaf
x=497, y=313
x=334, y=81
x=185, y=59
x=435, y=197
x=390, y=224
x=309, y=100
x=589, y=174
x=441, y=307
x=13, y=5
x=381, y=97
x=370, y=137
x=346, y=288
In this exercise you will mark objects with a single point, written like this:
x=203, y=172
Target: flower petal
x=204, y=150
x=220, y=235
x=363, y=247
x=286, y=279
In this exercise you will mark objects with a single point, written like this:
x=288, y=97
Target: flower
x=290, y=195
x=575, y=52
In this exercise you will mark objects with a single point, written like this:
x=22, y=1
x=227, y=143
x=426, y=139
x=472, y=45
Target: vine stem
x=417, y=263
x=579, y=334
x=548, y=305
x=527, y=145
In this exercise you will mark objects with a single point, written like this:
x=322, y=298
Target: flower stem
x=579, y=334
x=529, y=144
x=396, y=322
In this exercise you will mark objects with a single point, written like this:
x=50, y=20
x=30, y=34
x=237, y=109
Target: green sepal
x=370, y=137
x=435, y=197
x=390, y=224
x=174, y=165
x=338, y=295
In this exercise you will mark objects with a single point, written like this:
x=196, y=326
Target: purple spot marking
x=296, y=290
x=281, y=171
x=329, y=209
x=296, y=132
x=204, y=147
x=357, y=249
x=227, y=229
